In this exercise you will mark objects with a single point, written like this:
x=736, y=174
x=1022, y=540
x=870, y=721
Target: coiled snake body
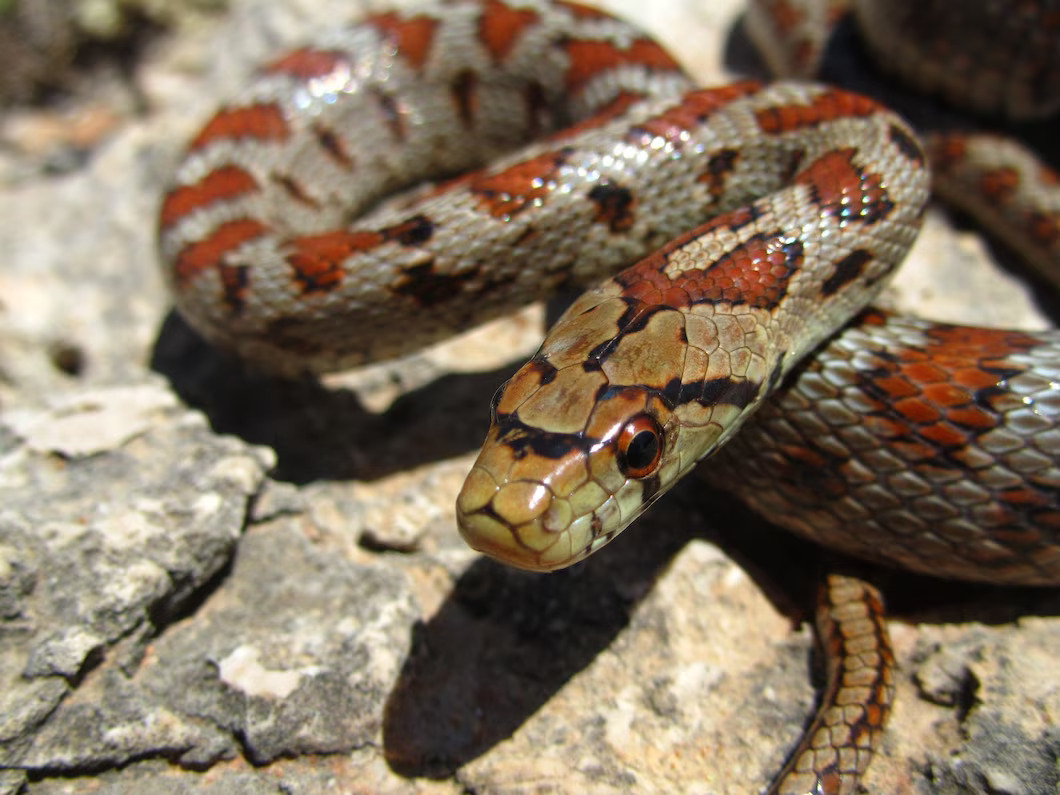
x=764, y=218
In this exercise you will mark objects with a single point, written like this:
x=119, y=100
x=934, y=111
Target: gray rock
x=183, y=609
x=102, y=550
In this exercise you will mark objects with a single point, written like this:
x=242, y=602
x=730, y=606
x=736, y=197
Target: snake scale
x=565, y=145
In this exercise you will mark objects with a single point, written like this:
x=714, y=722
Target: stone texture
x=211, y=580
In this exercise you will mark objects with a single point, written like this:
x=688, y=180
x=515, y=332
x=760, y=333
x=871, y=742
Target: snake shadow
x=324, y=433
x=505, y=642
x=320, y=432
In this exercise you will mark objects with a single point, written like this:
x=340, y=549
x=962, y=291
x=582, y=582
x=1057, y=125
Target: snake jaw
x=521, y=523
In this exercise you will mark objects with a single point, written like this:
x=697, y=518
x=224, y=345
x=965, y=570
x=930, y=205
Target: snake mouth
x=520, y=523
x=495, y=539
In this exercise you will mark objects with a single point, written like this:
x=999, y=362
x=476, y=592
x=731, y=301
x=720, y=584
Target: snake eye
x=640, y=447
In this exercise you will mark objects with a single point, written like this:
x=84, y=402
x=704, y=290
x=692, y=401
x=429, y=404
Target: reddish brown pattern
x=693, y=110
x=652, y=291
x=517, y=188
x=209, y=252
x=306, y=64
x=260, y=122
x=413, y=36
x=227, y=182
x=824, y=108
x=841, y=188
x=937, y=389
x=999, y=184
x=590, y=58
x=755, y=273
x=317, y=260
x=501, y=27
x=1044, y=228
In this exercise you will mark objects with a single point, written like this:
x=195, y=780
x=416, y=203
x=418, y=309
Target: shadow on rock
x=322, y=433
x=505, y=642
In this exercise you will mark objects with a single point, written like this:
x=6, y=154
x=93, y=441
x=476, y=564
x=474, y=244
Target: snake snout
x=521, y=522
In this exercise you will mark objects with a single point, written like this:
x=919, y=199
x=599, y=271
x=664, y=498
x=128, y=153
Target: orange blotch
x=227, y=182
x=207, y=254
x=514, y=189
x=694, y=108
x=590, y=58
x=972, y=417
x=317, y=259
x=973, y=378
x=917, y=411
x=946, y=394
x=501, y=26
x=999, y=184
x=824, y=108
x=895, y=386
x=754, y=273
x=944, y=435
x=258, y=122
x=923, y=372
x=413, y=36
x=306, y=63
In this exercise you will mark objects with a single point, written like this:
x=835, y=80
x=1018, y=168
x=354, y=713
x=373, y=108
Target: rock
x=104, y=548
x=214, y=581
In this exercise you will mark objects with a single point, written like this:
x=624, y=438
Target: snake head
x=542, y=498
x=586, y=435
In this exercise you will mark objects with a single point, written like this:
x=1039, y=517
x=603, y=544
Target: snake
x=431, y=168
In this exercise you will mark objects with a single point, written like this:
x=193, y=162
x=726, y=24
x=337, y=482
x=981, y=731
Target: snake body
x=765, y=219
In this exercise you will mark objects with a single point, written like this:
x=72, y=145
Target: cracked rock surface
x=215, y=581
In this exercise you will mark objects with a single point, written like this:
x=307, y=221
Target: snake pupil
x=642, y=450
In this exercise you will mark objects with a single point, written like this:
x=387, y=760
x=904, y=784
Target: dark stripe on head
x=542, y=368
x=713, y=392
x=729, y=392
x=527, y=440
